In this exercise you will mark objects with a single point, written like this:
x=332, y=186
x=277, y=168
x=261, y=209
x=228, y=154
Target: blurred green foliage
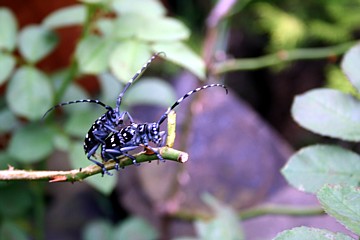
x=117, y=39
x=108, y=45
x=331, y=172
x=291, y=24
x=131, y=228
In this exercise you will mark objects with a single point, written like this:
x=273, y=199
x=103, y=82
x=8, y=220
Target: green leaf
x=8, y=29
x=342, y=202
x=74, y=92
x=78, y=160
x=350, y=65
x=306, y=233
x=328, y=112
x=80, y=122
x=29, y=93
x=135, y=228
x=93, y=53
x=62, y=142
x=31, y=143
x=106, y=27
x=110, y=88
x=36, y=42
x=7, y=63
x=225, y=224
x=15, y=200
x=128, y=25
x=312, y=167
x=59, y=77
x=128, y=58
x=324, y=31
x=99, y=229
x=276, y=22
x=150, y=29
x=8, y=121
x=163, y=29
x=95, y=1
x=5, y=162
x=181, y=54
x=151, y=91
x=336, y=79
x=10, y=230
x=186, y=238
x=67, y=16
x=153, y=8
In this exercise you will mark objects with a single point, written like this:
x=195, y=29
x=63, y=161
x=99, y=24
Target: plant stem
x=276, y=209
x=280, y=57
x=78, y=175
x=91, y=10
x=73, y=68
x=268, y=209
x=73, y=71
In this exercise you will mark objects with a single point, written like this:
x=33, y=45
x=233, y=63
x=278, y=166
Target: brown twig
x=79, y=174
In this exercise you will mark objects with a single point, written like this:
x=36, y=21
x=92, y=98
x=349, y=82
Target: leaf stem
x=73, y=68
x=267, y=209
x=280, y=57
x=276, y=209
x=73, y=71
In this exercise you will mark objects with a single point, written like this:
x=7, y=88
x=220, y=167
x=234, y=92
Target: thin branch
x=73, y=71
x=275, y=209
x=267, y=209
x=214, y=31
x=80, y=174
x=280, y=57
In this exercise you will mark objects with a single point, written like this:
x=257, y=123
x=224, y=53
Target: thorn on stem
x=58, y=179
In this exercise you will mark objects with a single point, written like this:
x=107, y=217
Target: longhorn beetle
x=111, y=121
x=134, y=135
